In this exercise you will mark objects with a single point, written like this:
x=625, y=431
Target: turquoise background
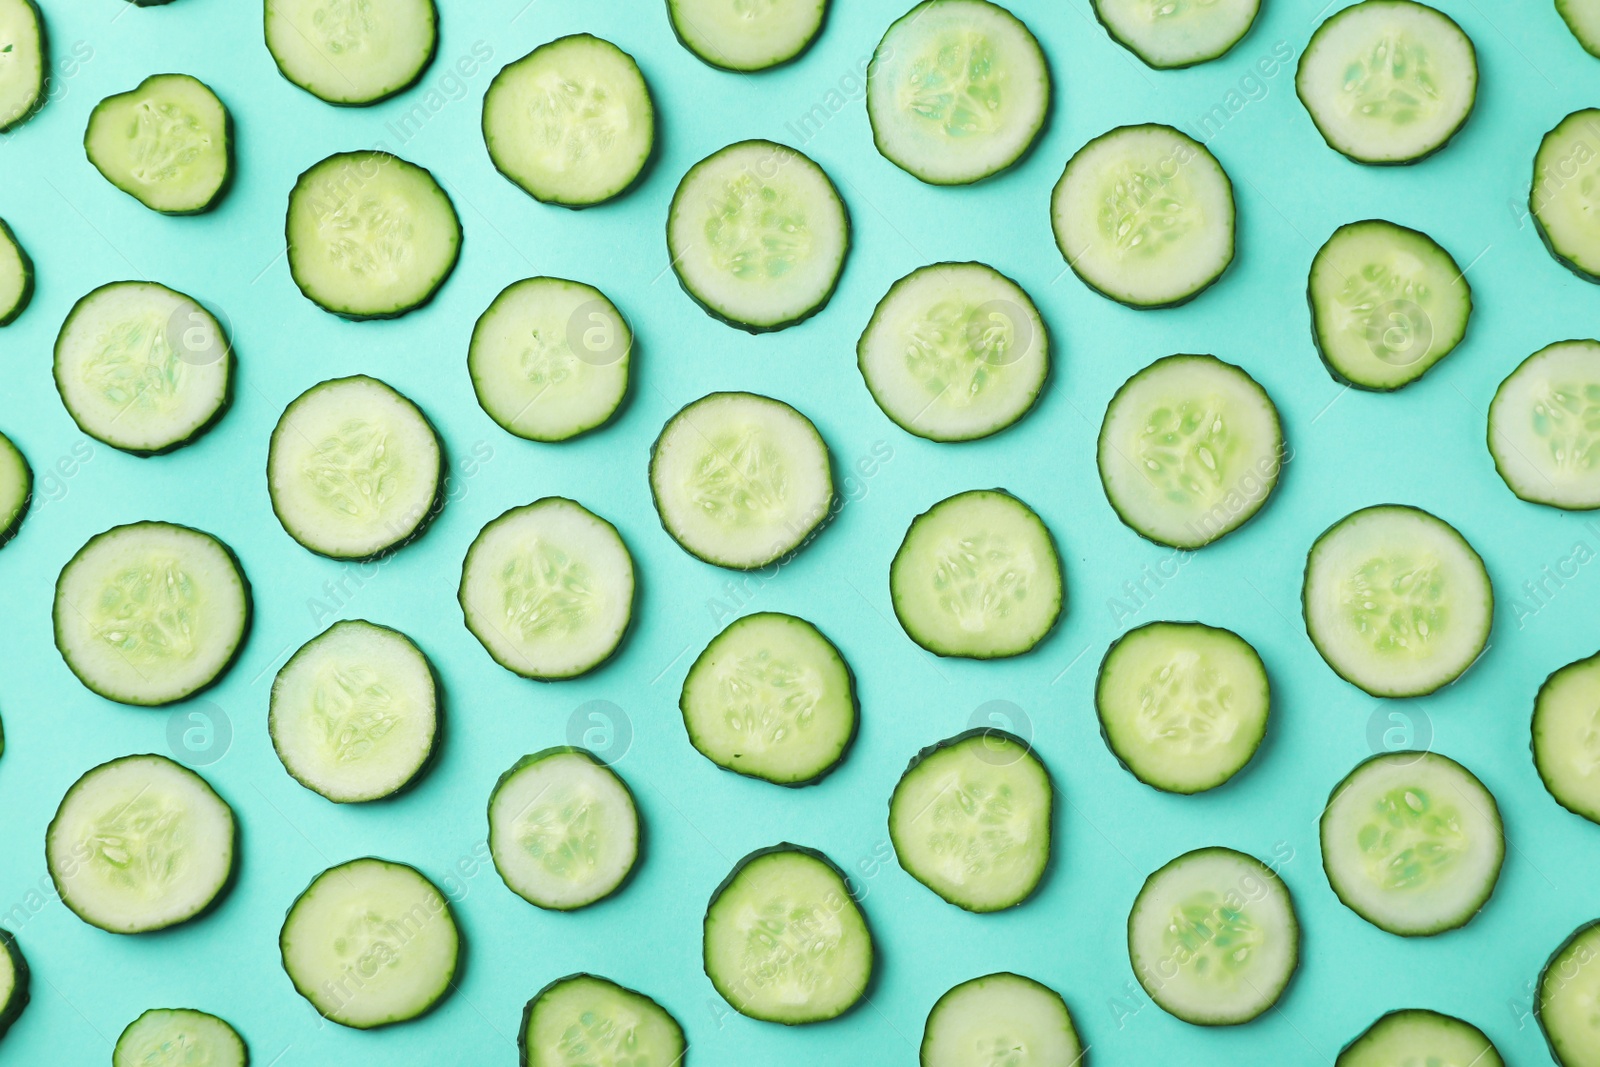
x=1423, y=446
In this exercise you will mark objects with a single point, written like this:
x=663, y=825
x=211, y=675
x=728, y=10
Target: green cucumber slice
x=593, y=1020
x=1566, y=736
x=13, y=981
x=354, y=713
x=571, y=122
x=1419, y=1036
x=954, y=352
x=1000, y=1019
x=168, y=143
x=1569, y=987
x=22, y=62
x=1387, y=303
x=150, y=613
x=16, y=271
x=1388, y=81
x=758, y=236
x=959, y=90
x=16, y=488
x=1544, y=427
x=1213, y=937
x=179, y=1037
x=741, y=36
x=785, y=941
x=352, y=54
x=141, y=843
x=1144, y=216
x=1396, y=601
x=1583, y=19
x=1177, y=33
x=370, y=236
x=1565, y=167
x=970, y=819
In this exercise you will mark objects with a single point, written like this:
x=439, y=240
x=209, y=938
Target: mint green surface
x=1422, y=446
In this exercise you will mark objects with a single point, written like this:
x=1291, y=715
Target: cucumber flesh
x=167, y=143
x=1566, y=736
x=22, y=62
x=16, y=488
x=13, y=981
x=583, y=1017
x=16, y=270
x=738, y=35
x=1544, y=427
x=1569, y=989
x=1177, y=33
x=1565, y=167
x=352, y=54
x=140, y=843
x=958, y=91
x=1000, y=1019
x=1419, y=1036
x=179, y=1037
x=1583, y=19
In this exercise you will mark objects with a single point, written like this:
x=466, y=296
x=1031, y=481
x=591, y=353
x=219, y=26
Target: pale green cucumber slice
x=1213, y=937
x=585, y=1019
x=1190, y=449
x=758, y=236
x=354, y=714
x=13, y=981
x=354, y=468
x=747, y=35
x=22, y=62
x=970, y=819
x=1565, y=169
x=1583, y=19
x=1387, y=303
x=547, y=588
x=1544, y=427
x=150, y=612
x=977, y=576
x=1396, y=601
x=1569, y=993
x=571, y=122
x=16, y=488
x=140, y=843
x=168, y=143
x=785, y=941
x=958, y=90
x=1000, y=1019
x=1168, y=34
x=1388, y=81
x=348, y=53
x=954, y=352
x=179, y=1037
x=1144, y=216
x=1417, y=1037
x=1566, y=736
x=16, y=271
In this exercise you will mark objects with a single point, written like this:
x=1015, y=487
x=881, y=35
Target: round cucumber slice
x=22, y=62
x=571, y=122
x=140, y=843
x=1000, y=1017
x=14, y=981
x=1544, y=427
x=168, y=143
x=970, y=819
x=1396, y=601
x=771, y=698
x=595, y=1020
x=954, y=352
x=1177, y=33
x=370, y=236
x=179, y=1037
x=1564, y=169
x=1387, y=303
x=547, y=588
x=1569, y=987
x=758, y=236
x=1183, y=706
x=354, y=714
x=563, y=829
x=352, y=54
x=977, y=576
x=1566, y=736
x=1190, y=449
x=740, y=480
x=959, y=90
x=1144, y=216
x=16, y=488
x=741, y=36
x=354, y=469
x=16, y=269
x=1213, y=937
x=785, y=941
x=1419, y=1036
x=1388, y=81
x=549, y=359
x=150, y=612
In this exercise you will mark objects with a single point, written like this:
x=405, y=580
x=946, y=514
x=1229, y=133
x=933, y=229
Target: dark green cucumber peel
x=12, y=1008
x=11, y=529
x=8, y=316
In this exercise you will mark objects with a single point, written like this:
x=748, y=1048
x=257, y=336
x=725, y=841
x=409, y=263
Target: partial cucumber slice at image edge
x=16, y=489
x=16, y=273
x=1001, y=1012
x=1542, y=427
x=1583, y=19
x=1417, y=1035
x=742, y=38
x=1569, y=985
x=13, y=981
x=611, y=1023
x=168, y=143
x=1179, y=34
x=349, y=56
x=1564, y=169
x=1565, y=740
x=22, y=82
x=160, y=1034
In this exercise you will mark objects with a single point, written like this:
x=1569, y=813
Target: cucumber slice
x=1396, y=601
x=1183, y=706
x=1144, y=216
x=1569, y=987
x=352, y=54
x=740, y=36
x=970, y=819
x=954, y=352
x=168, y=143
x=772, y=698
x=1387, y=303
x=549, y=359
x=179, y=1037
x=354, y=469
x=740, y=480
x=784, y=939
x=571, y=122
x=1000, y=1019
x=13, y=981
x=1544, y=427
x=1177, y=33
x=593, y=1020
x=1213, y=937
x=16, y=488
x=16, y=269
x=22, y=62
x=354, y=714
x=1566, y=736
x=140, y=843
x=977, y=576
x=370, y=236
x=1418, y=1036
x=959, y=90
x=1583, y=19
x=758, y=236
x=150, y=612
x=1388, y=81
x=1412, y=843
x=563, y=829
x=547, y=588
x=1564, y=169
x=142, y=367
x=1190, y=449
